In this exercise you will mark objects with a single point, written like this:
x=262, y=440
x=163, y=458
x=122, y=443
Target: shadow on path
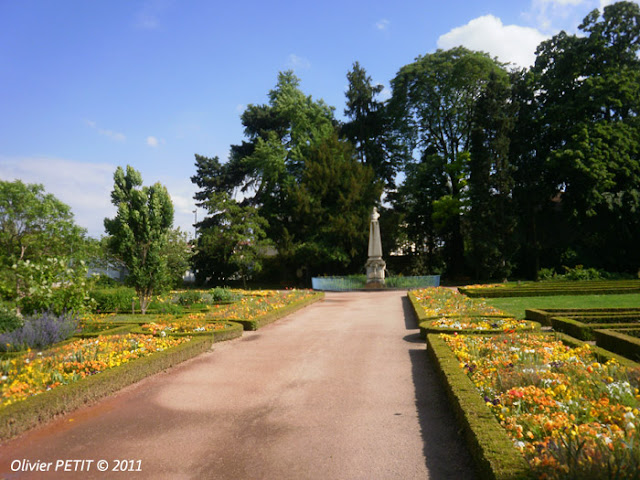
x=446, y=455
x=410, y=320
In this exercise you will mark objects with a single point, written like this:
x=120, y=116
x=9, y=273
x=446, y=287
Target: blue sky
x=86, y=86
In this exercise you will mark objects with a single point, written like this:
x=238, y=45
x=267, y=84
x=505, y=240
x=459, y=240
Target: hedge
x=256, y=323
x=543, y=289
x=583, y=327
x=492, y=450
x=544, y=315
x=21, y=416
x=620, y=341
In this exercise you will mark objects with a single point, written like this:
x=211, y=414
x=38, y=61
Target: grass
x=517, y=305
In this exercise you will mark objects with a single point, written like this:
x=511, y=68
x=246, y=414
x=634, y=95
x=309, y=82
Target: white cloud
x=155, y=141
x=382, y=24
x=117, y=136
x=85, y=187
x=510, y=43
x=298, y=63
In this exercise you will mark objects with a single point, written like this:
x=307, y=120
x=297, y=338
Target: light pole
x=195, y=229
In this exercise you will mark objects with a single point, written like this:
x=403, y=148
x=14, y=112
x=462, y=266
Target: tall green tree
x=367, y=125
x=491, y=215
x=232, y=243
x=333, y=202
x=432, y=106
x=139, y=232
x=588, y=89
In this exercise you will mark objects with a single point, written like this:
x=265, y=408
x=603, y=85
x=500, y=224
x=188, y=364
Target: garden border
x=18, y=417
x=617, y=341
x=270, y=317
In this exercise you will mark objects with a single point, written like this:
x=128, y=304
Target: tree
x=588, y=89
x=41, y=249
x=233, y=242
x=432, y=105
x=333, y=202
x=367, y=126
x=178, y=252
x=139, y=232
x=491, y=215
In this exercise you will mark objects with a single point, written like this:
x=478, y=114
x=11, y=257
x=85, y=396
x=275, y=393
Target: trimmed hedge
x=620, y=341
x=423, y=317
x=256, y=323
x=543, y=289
x=544, y=315
x=489, y=445
x=21, y=416
x=583, y=327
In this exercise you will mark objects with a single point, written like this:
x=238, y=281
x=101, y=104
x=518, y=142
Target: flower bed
x=476, y=325
x=568, y=413
x=264, y=307
x=66, y=377
x=33, y=373
x=443, y=302
x=220, y=330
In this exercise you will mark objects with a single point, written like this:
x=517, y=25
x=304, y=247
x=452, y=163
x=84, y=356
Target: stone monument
x=375, y=265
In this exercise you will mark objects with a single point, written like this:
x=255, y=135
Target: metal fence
x=357, y=282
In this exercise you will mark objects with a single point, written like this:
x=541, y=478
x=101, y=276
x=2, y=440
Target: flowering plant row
x=444, y=302
x=185, y=326
x=569, y=414
x=257, y=304
x=35, y=372
x=508, y=324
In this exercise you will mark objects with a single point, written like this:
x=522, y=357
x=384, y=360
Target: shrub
x=222, y=295
x=188, y=298
x=113, y=299
x=39, y=331
x=9, y=319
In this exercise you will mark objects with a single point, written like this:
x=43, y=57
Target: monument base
x=374, y=285
x=375, y=272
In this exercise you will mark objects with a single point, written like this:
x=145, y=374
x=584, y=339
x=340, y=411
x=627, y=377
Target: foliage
x=119, y=299
x=432, y=105
x=178, y=252
x=41, y=249
x=368, y=126
x=39, y=331
x=9, y=318
x=138, y=233
x=53, y=284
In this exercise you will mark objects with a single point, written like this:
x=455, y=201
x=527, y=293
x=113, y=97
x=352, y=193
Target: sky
x=87, y=86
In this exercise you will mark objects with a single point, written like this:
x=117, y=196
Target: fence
x=359, y=282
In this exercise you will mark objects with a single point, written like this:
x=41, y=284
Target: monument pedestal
x=375, y=272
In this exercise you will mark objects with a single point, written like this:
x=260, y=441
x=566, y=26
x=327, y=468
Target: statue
x=375, y=265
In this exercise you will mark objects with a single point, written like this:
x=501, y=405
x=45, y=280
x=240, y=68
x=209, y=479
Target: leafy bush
x=222, y=295
x=113, y=299
x=9, y=319
x=53, y=284
x=39, y=331
x=188, y=298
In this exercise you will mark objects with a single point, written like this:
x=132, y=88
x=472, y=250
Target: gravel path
x=339, y=390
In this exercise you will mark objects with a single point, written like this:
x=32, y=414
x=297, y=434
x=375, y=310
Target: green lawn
x=517, y=305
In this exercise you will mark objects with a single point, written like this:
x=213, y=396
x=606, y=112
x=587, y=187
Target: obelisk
x=375, y=265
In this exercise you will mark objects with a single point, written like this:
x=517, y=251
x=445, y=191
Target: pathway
x=339, y=390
